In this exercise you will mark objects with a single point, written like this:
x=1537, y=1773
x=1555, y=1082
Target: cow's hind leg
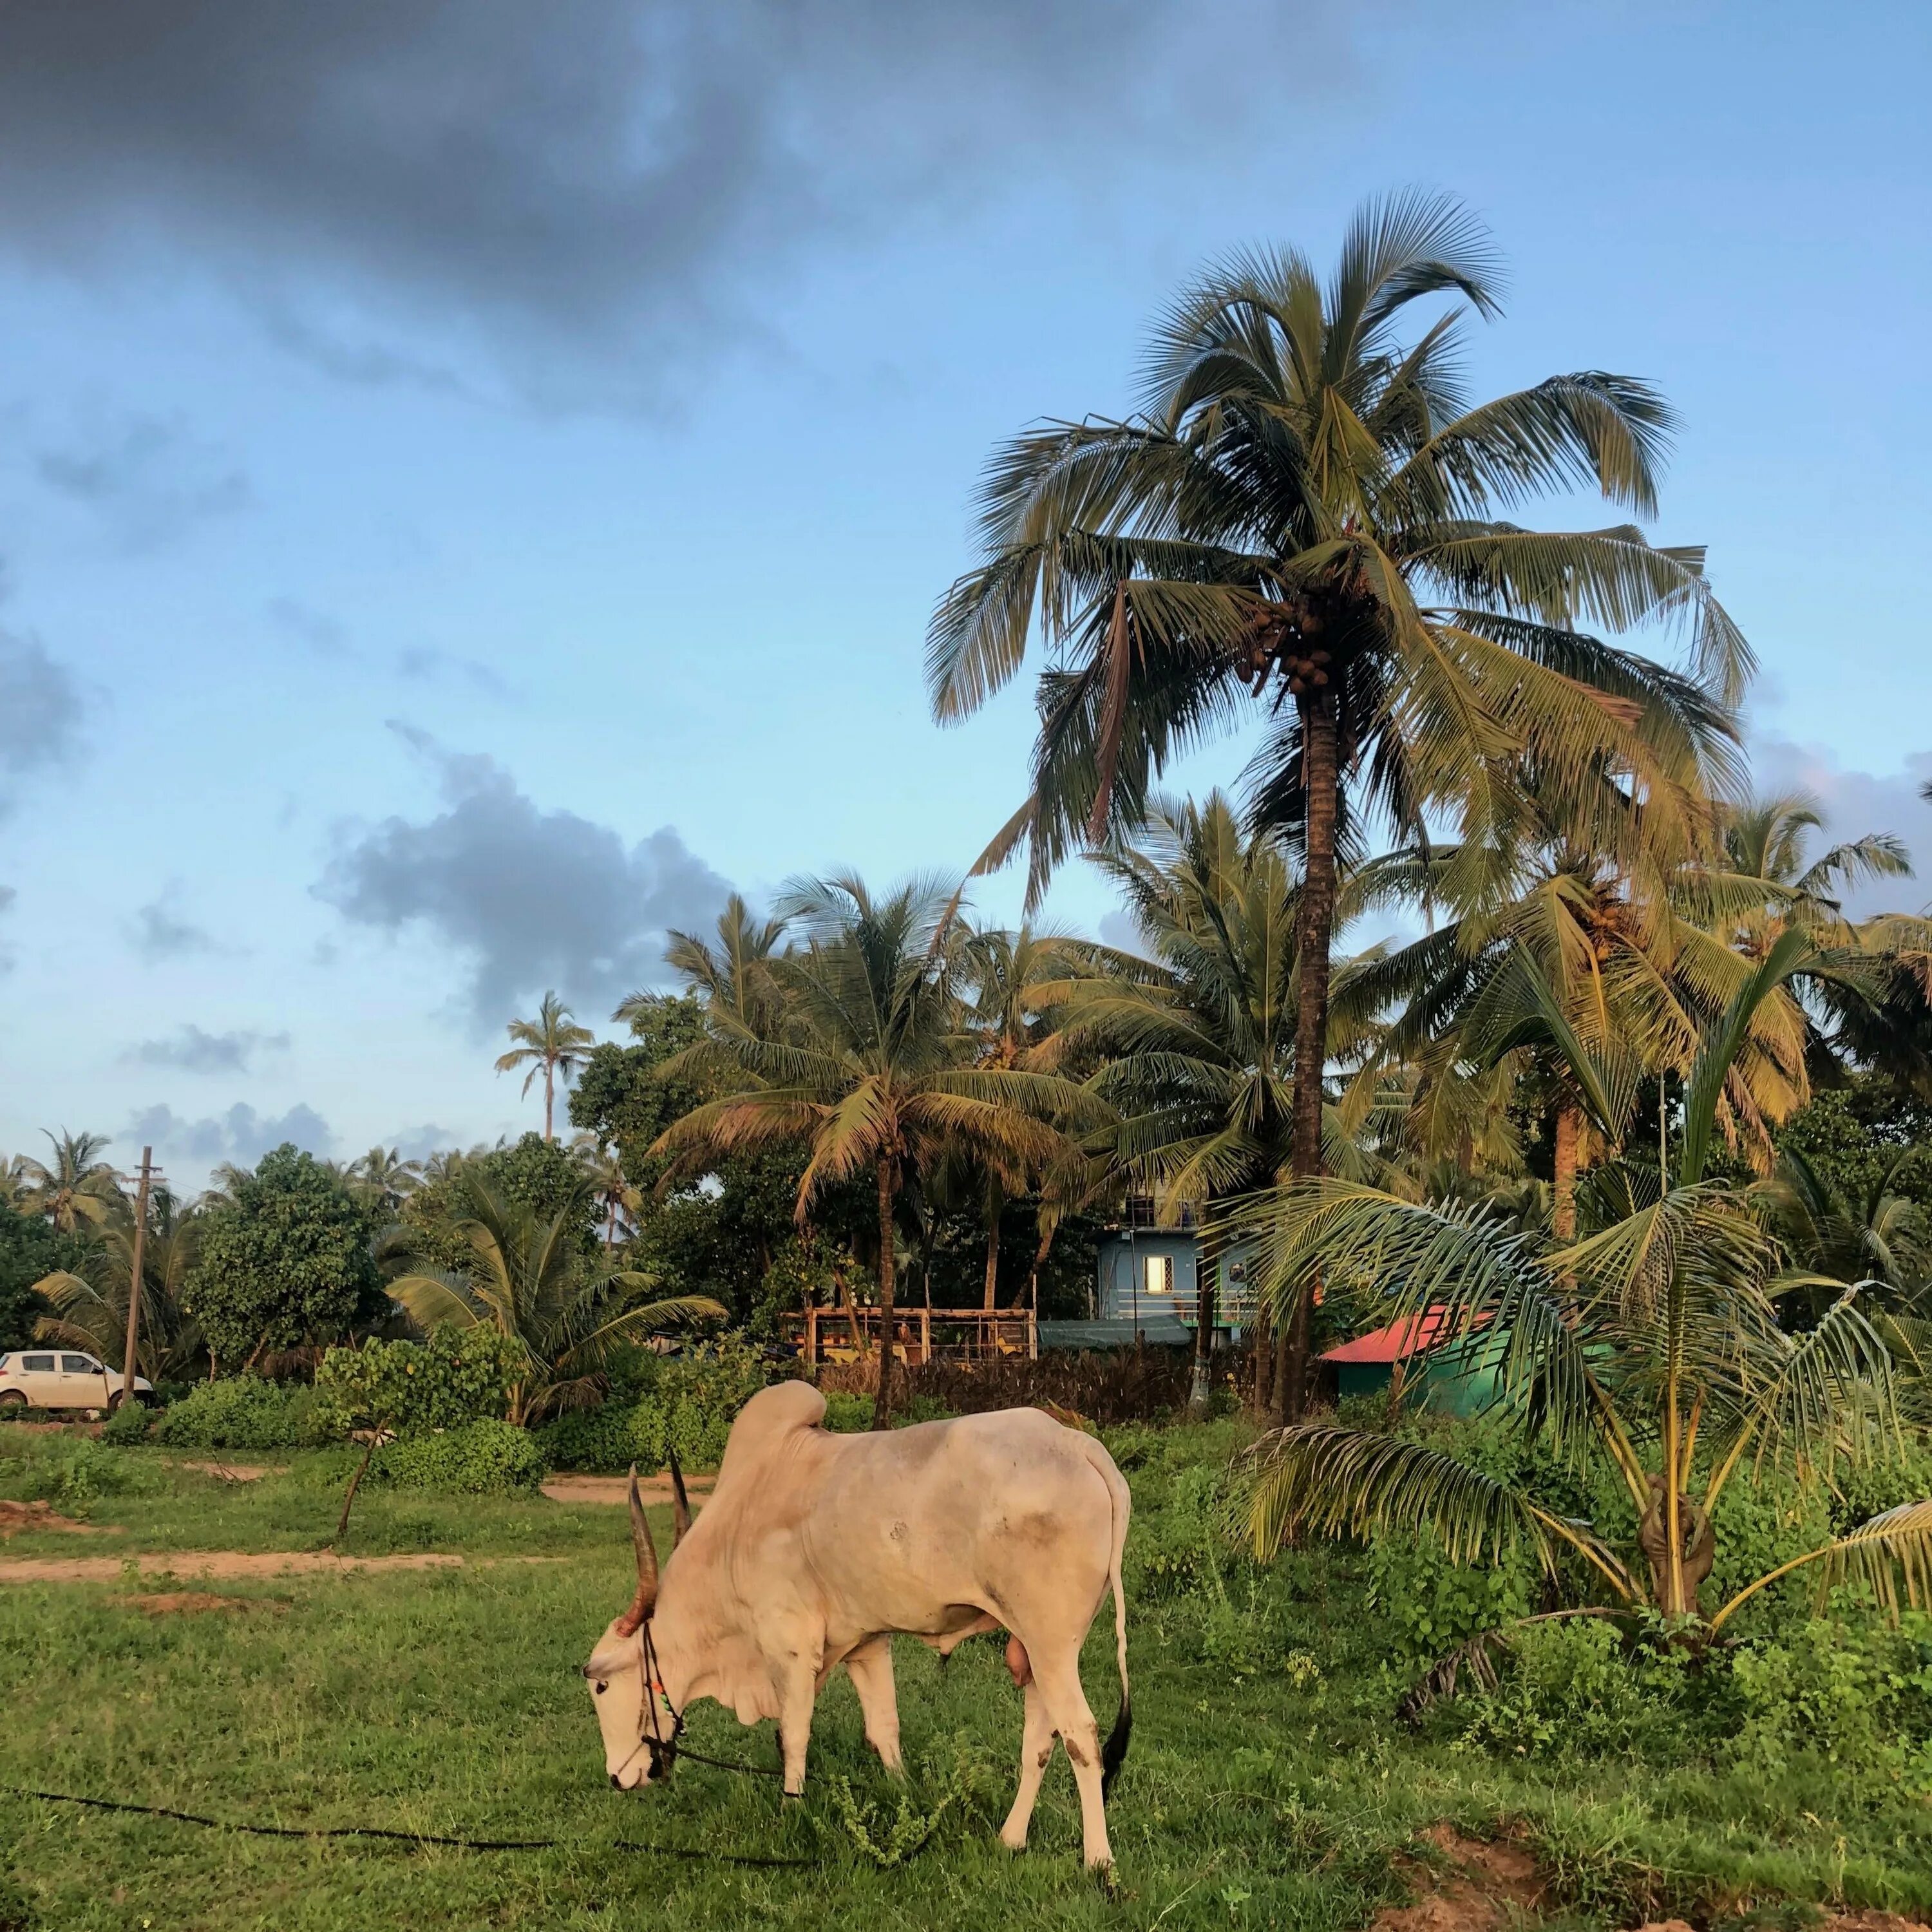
x=870, y=1668
x=1056, y=1670
x=1036, y=1750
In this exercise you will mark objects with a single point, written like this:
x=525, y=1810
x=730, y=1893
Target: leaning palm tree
x=1305, y=528
x=74, y=1190
x=527, y=1278
x=1652, y=1347
x=553, y=1045
x=869, y=1067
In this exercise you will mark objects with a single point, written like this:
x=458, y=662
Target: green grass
x=1272, y=1787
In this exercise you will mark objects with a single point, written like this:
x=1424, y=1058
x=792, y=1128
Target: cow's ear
x=645, y=1600
x=680, y=1504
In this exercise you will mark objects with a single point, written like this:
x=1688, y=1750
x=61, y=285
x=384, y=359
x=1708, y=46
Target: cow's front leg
x=870, y=1668
x=797, y=1690
x=1035, y=1750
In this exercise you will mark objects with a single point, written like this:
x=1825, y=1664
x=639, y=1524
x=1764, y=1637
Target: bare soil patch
x=617, y=1488
x=194, y=1603
x=1487, y=1887
x=1868, y=1920
x=231, y=1564
x=237, y=1472
x=15, y=1517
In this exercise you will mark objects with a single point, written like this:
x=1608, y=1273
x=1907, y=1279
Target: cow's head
x=619, y=1673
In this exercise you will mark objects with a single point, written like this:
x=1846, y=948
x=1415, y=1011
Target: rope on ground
x=379, y=1831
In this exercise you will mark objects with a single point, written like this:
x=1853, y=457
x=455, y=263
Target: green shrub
x=129, y=1423
x=460, y=1374
x=487, y=1458
x=246, y=1412
x=1855, y=1694
x=1573, y=1688
x=688, y=1403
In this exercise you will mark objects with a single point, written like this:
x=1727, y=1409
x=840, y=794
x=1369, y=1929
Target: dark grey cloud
x=241, y=1135
x=193, y=1050
x=158, y=931
x=150, y=479
x=625, y=176
x=1855, y=803
x=41, y=713
x=314, y=630
x=531, y=899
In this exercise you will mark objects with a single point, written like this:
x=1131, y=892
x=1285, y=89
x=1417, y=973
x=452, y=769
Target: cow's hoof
x=1101, y=1872
x=1014, y=1841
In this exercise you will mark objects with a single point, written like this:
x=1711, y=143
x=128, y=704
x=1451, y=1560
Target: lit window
x=1157, y=1274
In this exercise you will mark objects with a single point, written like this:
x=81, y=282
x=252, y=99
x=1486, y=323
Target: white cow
x=814, y=1548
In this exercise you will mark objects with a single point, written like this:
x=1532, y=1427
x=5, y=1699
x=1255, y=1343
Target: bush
x=460, y=1375
x=246, y=1412
x=686, y=1402
x=129, y=1423
x=482, y=1458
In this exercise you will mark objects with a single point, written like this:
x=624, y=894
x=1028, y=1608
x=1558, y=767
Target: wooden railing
x=919, y=1334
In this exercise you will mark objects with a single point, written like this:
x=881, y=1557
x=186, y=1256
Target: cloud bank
x=40, y=712
x=193, y=1050
x=532, y=899
x=240, y=1136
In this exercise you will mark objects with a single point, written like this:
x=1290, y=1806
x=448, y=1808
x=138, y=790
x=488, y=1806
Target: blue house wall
x=1127, y=1289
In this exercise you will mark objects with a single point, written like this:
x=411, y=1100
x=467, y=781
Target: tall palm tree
x=1015, y=980
x=382, y=1180
x=526, y=1279
x=1652, y=1347
x=553, y=1045
x=735, y=976
x=1304, y=526
x=74, y=1190
x=869, y=1066
x=1199, y=1040
x=620, y=1200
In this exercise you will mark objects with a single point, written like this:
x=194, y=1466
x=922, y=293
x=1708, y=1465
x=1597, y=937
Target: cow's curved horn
x=680, y=1503
x=645, y=1600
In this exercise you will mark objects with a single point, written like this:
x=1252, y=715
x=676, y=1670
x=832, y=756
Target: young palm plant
x=528, y=1279
x=90, y=1303
x=553, y=1045
x=1652, y=1345
x=1305, y=527
x=869, y=1066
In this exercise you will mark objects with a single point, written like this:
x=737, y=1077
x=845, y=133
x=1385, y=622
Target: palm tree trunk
x=882, y=1400
x=1322, y=780
x=550, y=1071
x=1569, y=1125
x=1201, y=1389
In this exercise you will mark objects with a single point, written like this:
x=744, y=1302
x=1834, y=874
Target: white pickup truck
x=62, y=1378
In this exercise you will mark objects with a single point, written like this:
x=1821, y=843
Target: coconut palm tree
x=1198, y=1039
x=735, y=976
x=90, y=1303
x=619, y=1200
x=1877, y=1237
x=870, y=1065
x=1304, y=527
x=382, y=1180
x=553, y=1045
x=527, y=1278
x=1652, y=1346
x=75, y=1189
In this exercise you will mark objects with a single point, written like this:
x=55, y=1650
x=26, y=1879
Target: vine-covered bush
x=487, y=1458
x=459, y=1376
x=247, y=1412
x=685, y=1402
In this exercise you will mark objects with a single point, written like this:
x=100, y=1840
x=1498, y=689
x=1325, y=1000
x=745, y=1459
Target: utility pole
x=129, y=1358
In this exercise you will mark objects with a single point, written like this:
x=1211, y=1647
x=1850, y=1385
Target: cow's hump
x=783, y=1410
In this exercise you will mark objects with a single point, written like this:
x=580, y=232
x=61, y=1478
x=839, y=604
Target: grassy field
x=1270, y=1782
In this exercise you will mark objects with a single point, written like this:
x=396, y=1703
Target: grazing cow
x=814, y=1548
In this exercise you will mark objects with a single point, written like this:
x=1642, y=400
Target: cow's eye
x=601, y=1688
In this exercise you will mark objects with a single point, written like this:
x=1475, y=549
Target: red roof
x=1397, y=1341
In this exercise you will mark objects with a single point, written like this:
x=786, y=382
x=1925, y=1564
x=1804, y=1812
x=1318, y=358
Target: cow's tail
x=1113, y=1753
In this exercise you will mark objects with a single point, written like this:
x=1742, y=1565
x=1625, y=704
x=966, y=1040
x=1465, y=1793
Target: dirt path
x=617, y=1488
x=229, y=1564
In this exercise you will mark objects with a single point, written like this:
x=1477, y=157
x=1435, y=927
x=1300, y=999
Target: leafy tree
x=284, y=1260
x=75, y=1189
x=528, y=1279
x=869, y=1068
x=621, y=1097
x=553, y=1045
x=31, y=1248
x=1852, y=1136
x=1652, y=1348
x=1307, y=519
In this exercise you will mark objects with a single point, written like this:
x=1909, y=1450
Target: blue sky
x=473, y=480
